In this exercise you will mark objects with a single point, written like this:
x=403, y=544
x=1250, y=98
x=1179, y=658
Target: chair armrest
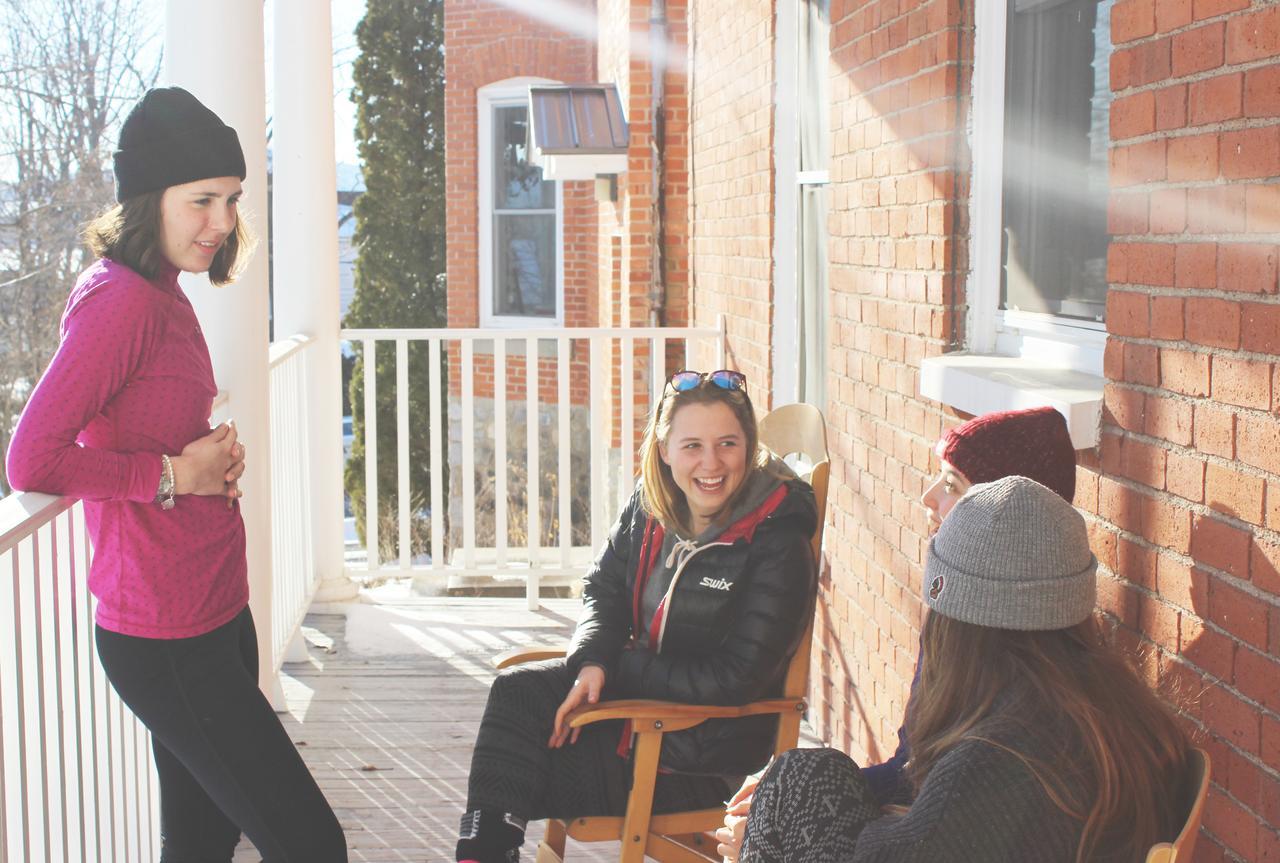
x=521, y=655
x=675, y=716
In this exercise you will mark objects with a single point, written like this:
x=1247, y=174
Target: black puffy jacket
x=733, y=621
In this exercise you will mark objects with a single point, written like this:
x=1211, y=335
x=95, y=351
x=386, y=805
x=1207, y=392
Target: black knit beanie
x=170, y=138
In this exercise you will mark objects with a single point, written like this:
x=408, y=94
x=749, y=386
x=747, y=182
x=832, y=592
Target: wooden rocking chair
x=689, y=837
x=1179, y=850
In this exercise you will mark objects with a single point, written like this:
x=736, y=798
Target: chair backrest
x=1195, y=792
x=800, y=429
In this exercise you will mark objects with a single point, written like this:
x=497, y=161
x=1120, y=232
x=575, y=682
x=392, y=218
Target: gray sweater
x=979, y=804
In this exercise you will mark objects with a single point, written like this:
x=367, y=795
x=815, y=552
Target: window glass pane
x=517, y=184
x=815, y=55
x=1057, y=111
x=524, y=265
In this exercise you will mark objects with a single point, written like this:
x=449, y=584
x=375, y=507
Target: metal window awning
x=577, y=131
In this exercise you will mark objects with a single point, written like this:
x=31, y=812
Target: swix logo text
x=717, y=583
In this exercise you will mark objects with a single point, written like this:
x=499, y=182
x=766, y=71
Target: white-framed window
x=521, y=215
x=1041, y=110
x=802, y=153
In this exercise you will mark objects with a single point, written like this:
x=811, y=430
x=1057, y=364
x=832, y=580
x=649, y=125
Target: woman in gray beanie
x=120, y=419
x=1031, y=738
x=1032, y=442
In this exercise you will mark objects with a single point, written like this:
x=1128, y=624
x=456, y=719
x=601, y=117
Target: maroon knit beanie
x=1032, y=443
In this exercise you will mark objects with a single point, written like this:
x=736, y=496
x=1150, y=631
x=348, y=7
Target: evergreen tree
x=400, y=235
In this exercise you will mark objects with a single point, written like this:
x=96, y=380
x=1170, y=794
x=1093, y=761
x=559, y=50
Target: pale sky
x=346, y=15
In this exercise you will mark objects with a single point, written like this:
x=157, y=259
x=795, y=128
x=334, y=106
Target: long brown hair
x=129, y=234
x=661, y=497
x=1119, y=755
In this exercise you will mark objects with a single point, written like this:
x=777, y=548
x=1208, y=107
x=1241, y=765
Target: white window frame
x=1043, y=338
x=1013, y=359
x=501, y=94
x=789, y=181
x=786, y=206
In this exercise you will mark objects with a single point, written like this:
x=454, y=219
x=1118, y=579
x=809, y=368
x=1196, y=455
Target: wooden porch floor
x=385, y=712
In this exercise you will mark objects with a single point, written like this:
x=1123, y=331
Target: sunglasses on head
x=727, y=379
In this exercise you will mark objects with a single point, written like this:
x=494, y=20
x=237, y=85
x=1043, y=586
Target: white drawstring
x=687, y=548
x=681, y=550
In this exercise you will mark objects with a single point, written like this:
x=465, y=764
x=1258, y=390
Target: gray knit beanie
x=1012, y=554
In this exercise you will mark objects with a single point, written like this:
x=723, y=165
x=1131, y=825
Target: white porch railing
x=293, y=572
x=77, y=783
x=76, y=778
x=608, y=414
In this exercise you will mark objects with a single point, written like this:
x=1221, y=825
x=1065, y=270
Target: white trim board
x=979, y=384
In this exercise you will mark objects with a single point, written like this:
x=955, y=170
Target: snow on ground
x=391, y=620
x=380, y=630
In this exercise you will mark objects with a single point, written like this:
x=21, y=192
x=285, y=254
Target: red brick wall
x=613, y=60
x=628, y=226
x=731, y=244
x=1189, y=490
x=488, y=42
x=899, y=211
x=675, y=188
x=624, y=59
x=893, y=222
x=1183, y=494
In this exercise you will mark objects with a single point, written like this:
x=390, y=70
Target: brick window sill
x=978, y=384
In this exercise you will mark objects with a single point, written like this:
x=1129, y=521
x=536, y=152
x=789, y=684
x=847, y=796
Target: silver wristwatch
x=164, y=494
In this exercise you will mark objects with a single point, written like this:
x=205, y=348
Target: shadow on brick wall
x=830, y=653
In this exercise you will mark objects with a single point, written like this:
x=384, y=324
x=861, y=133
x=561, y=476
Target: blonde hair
x=660, y=496
x=129, y=234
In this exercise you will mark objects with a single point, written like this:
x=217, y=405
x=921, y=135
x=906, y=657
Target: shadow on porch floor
x=386, y=708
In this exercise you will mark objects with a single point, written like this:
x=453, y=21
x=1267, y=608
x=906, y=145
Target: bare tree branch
x=68, y=71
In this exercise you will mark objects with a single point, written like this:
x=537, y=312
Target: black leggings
x=224, y=761
x=513, y=770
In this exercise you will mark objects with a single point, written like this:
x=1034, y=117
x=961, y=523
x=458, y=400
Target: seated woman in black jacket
x=1031, y=738
x=700, y=595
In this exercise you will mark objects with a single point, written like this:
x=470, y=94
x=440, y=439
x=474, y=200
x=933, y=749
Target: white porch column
x=306, y=259
x=215, y=50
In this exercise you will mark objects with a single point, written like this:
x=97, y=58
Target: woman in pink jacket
x=120, y=419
